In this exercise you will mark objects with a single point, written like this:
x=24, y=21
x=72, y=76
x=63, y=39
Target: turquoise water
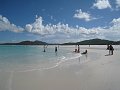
x=31, y=57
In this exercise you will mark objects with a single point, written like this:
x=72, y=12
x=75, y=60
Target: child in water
x=84, y=52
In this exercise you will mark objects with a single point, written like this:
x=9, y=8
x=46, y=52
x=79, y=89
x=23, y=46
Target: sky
x=58, y=21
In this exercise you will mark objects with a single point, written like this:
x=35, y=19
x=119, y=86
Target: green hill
x=26, y=43
x=85, y=42
x=95, y=42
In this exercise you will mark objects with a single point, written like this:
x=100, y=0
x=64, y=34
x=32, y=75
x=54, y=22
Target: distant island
x=94, y=42
x=26, y=43
x=85, y=42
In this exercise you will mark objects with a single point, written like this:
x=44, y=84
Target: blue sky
x=59, y=20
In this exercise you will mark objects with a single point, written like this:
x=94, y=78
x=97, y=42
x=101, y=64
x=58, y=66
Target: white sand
x=94, y=71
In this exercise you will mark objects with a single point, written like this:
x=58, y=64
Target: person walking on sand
x=111, y=49
x=108, y=48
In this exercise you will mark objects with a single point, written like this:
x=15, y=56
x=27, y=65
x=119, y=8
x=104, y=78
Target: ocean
x=28, y=57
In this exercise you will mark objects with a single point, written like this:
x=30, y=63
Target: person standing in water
x=44, y=48
x=75, y=48
x=78, y=49
x=55, y=49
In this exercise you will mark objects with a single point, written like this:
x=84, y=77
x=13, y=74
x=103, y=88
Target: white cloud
x=83, y=15
x=102, y=4
x=6, y=25
x=38, y=28
x=115, y=21
x=63, y=32
x=116, y=24
x=118, y=3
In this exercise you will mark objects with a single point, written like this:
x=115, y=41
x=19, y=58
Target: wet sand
x=93, y=71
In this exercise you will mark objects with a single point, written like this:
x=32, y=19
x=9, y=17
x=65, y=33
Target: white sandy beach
x=93, y=71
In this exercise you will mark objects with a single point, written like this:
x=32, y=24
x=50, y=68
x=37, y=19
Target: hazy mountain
x=85, y=42
x=27, y=43
x=94, y=42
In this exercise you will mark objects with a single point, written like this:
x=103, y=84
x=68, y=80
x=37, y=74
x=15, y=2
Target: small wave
x=60, y=60
x=62, y=57
x=74, y=57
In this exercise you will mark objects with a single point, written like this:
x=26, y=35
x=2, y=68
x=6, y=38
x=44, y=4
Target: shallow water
x=26, y=58
x=17, y=58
